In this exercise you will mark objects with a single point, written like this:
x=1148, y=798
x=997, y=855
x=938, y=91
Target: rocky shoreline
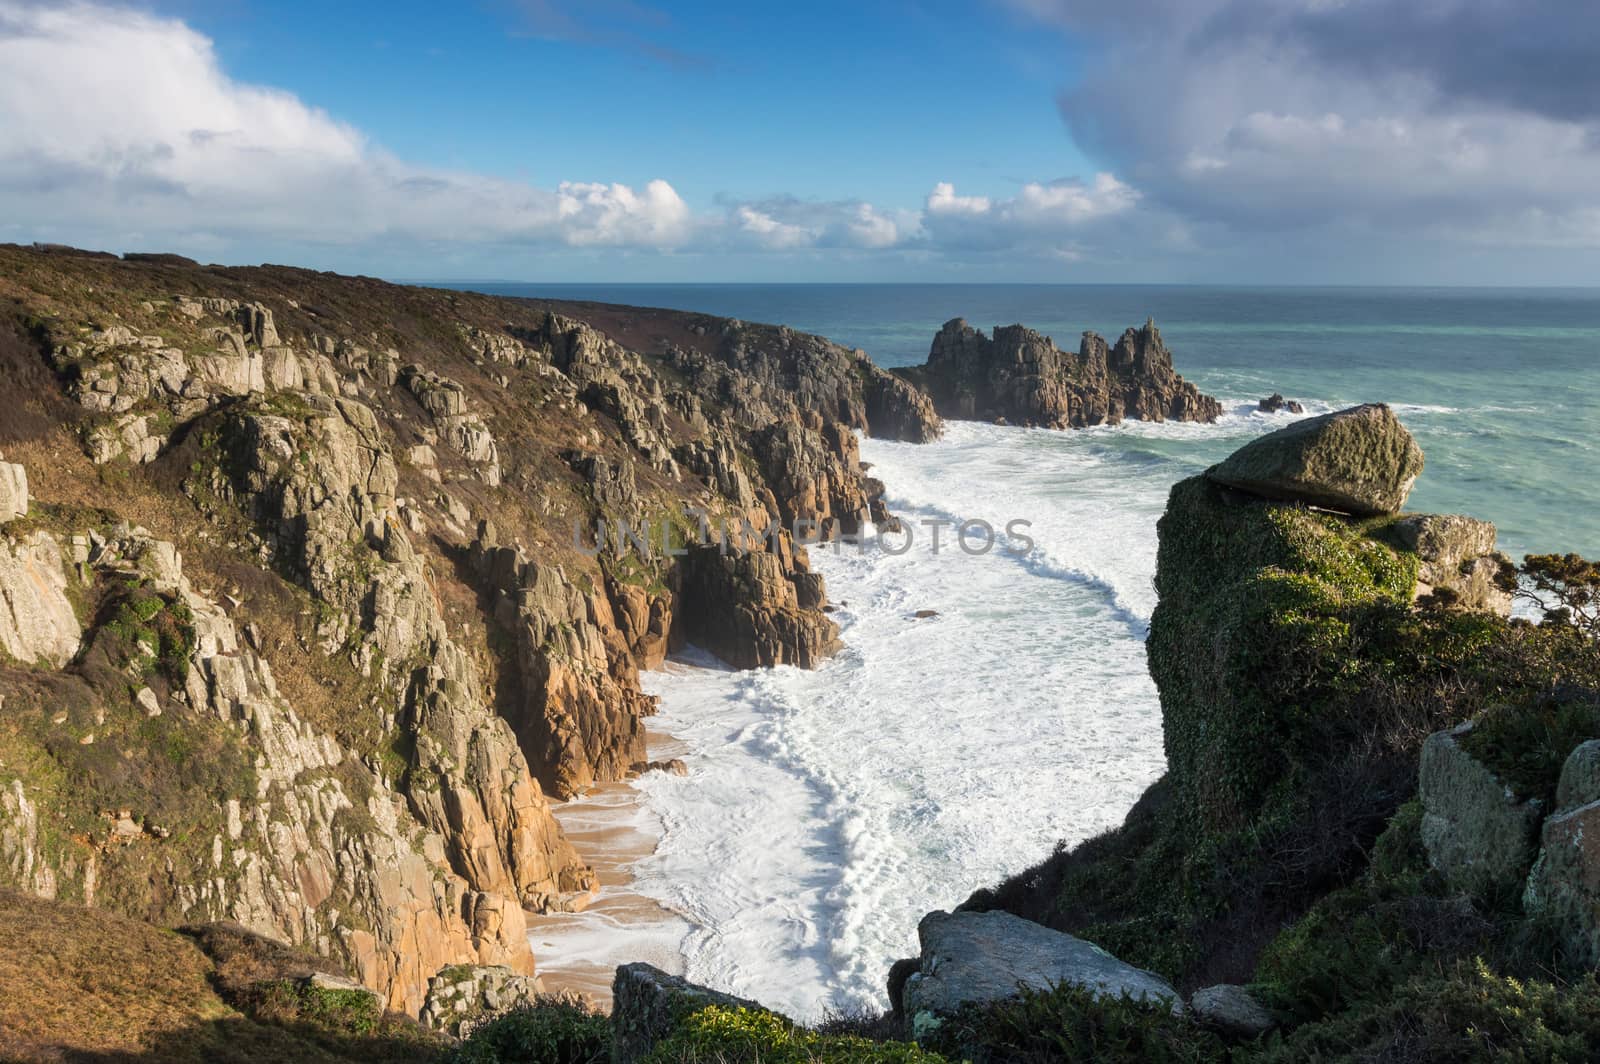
x=303, y=643
x=327, y=523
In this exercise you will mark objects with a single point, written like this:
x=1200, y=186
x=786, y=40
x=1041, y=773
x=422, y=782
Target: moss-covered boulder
x=1256, y=634
x=1479, y=833
x=1359, y=461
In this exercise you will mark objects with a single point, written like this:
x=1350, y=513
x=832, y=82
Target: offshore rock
x=1276, y=403
x=1021, y=377
x=1359, y=461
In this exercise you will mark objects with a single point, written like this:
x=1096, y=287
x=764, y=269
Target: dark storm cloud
x=1454, y=120
x=1538, y=56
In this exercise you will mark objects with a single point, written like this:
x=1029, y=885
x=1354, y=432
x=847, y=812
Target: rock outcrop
x=1276, y=403
x=1359, y=461
x=1564, y=886
x=1020, y=376
x=1232, y=1010
x=646, y=1003
x=13, y=491
x=37, y=620
x=463, y=997
x=983, y=957
x=331, y=694
x=1478, y=833
x=1458, y=559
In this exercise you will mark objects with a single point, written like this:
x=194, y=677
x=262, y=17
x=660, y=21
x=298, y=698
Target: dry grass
x=76, y=980
x=82, y=986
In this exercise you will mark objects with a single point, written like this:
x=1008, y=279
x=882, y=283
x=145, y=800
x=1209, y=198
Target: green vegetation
x=1068, y=1023
x=549, y=1032
x=718, y=1035
x=1297, y=685
x=1526, y=743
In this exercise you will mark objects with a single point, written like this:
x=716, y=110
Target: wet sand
x=580, y=951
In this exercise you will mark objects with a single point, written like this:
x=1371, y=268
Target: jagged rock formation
x=1276, y=403
x=369, y=609
x=1021, y=377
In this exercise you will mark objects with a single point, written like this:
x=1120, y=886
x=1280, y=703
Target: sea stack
x=1021, y=377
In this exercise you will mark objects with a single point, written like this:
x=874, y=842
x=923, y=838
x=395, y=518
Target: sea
x=825, y=811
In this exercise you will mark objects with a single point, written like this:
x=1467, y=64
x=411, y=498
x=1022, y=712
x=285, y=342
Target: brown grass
x=75, y=980
x=82, y=986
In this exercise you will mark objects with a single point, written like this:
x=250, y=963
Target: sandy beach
x=580, y=951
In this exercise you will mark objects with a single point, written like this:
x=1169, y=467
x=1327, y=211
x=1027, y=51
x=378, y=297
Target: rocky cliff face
x=303, y=614
x=1021, y=377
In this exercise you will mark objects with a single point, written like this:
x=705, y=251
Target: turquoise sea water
x=1502, y=386
x=825, y=811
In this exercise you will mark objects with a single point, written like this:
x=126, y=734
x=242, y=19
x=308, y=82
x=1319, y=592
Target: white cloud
x=120, y=129
x=943, y=200
x=771, y=233
x=122, y=123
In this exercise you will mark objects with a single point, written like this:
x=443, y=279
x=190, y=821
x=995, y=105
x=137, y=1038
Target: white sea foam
x=826, y=811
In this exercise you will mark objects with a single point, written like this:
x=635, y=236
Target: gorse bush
x=550, y=1031
x=718, y=1035
x=1067, y=1023
x=1467, y=1013
x=1526, y=743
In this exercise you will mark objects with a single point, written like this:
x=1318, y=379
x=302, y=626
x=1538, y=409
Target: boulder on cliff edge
x=980, y=957
x=1359, y=461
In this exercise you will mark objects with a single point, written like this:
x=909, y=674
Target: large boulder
x=1232, y=1010
x=1479, y=835
x=1359, y=461
x=646, y=1003
x=981, y=957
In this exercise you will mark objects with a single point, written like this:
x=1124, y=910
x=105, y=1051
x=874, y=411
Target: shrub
x=1467, y=1013
x=1526, y=743
x=717, y=1035
x=550, y=1031
x=1070, y=1023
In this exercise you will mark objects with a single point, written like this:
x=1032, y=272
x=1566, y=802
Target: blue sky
x=829, y=100
x=1368, y=141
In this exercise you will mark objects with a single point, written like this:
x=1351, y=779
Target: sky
x=1078, y=141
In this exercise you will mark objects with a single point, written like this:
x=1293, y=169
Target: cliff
x=303, y=617
x=1020, y=376
x=1365, y=845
